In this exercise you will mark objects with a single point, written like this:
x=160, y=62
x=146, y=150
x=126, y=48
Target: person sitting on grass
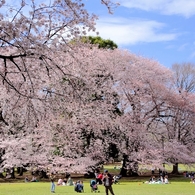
x=192, y=180
x=26, y=179
x=34, y=179
x=64, y=182
x=166, y=181
x=60, y=181
x=152, y=179
x=69, y=182
x=79, y=187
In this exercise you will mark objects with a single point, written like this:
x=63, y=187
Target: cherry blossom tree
x=75, y=114
x=60, y=128
x=141, y=85
x=150, y=102
x=180, y=124
x=32, y=36
x=63, y=105
x=35, y=56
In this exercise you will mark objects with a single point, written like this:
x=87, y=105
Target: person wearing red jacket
x=99, y=178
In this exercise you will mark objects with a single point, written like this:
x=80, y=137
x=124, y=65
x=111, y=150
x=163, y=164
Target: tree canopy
x=63, y=105
x=184, y=75
x=101, y=43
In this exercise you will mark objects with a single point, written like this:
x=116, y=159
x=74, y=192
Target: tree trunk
x=20, y=171
x=175, y=169
x=123, y=171
x=10, y=174
x=43, y=174
x=1, y=175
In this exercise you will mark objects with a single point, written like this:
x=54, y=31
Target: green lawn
x=124, y=188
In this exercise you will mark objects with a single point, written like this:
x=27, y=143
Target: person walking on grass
x=52, y=178
x=108, y=181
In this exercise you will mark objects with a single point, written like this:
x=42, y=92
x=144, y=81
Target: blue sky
x=163, y=30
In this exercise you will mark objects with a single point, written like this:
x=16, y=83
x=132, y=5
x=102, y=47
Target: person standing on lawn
x=52, y=178
x=108, y=181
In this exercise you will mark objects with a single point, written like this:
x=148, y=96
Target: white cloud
x=183, y=47
x=167, y=7
x=133, y=31
x=192, y=55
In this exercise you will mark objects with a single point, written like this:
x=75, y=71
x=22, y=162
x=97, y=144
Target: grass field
x=128, y=186
x=124, y=188
x=168, y=168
